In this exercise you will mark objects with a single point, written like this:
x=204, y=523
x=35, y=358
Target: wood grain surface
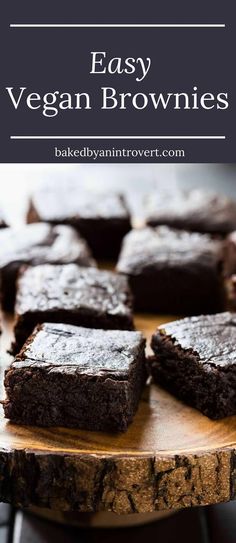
x=171, y=457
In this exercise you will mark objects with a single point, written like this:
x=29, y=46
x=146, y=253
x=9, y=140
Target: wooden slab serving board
x=171, y=457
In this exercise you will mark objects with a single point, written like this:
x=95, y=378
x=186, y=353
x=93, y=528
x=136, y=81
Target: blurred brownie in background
x=173, y=271
x=35, y=244
x=230, y=270
x=77, y=378
x=230, y=254
x=71, y=294
x=230, y=286
x=195, y=210
x=102, y=218
x=2, y=220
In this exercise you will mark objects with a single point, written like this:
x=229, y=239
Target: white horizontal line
x=108, y=137
x=126, y=25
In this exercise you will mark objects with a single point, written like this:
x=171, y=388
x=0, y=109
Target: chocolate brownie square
x=71, y=294
x=76, y=377
x=194, y=210
x=35, y=244
x=173, y=271
x=101, y=218
x=195, y=359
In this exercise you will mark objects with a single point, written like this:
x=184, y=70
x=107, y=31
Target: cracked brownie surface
x=76, y=377
x=72, y=294
x=35, y=244
x=40, y=243
x=173, y=271
x=195, y=358
x=147, y=248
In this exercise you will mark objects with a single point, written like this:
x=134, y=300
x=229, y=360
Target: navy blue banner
x=115, y=82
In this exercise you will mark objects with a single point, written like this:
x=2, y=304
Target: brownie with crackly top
x=76, y=377
x=195, y=359
x=35, y=244
x=173, y=271
x=71, y=294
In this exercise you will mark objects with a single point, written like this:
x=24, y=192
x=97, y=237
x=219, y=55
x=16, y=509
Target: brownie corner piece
x=195, y=359
x=173, y=271
x=74, y=295
x=76, y=377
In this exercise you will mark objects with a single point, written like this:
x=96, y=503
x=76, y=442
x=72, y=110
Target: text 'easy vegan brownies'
x=173, y=271
x=76, y=377
x=71, y=294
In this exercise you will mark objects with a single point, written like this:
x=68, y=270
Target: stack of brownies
x=78, y=361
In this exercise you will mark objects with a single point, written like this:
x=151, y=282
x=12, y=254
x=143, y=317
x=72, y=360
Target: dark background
x=59, y=59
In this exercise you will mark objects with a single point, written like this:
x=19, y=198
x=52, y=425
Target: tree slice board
x=171, y=457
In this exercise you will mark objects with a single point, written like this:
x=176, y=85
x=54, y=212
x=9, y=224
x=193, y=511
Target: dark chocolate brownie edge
x=24, y=324
x=74, y=401
x=8, y=286
x=178, y=291
x=104, y=236
x=181, y=372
